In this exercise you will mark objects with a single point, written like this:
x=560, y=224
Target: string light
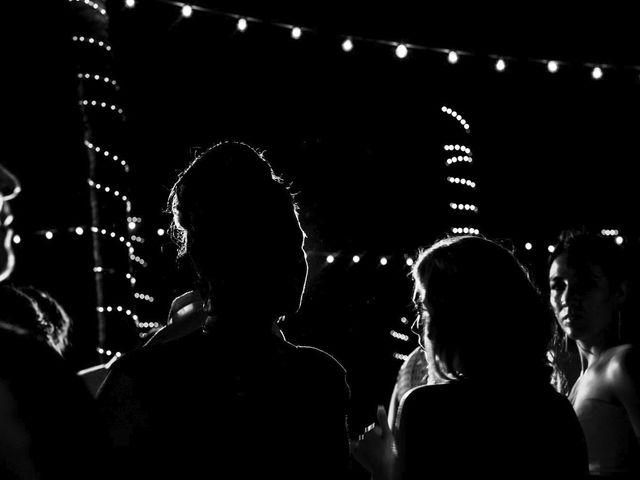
x=16, y=239
x=108, y=189
x=91, y=41
x=409, y=262
x=99, y=78
x=465, y=230
x=619, y=240
x=462, y=148
x=347, y=45
x=461, y=181
x=160, y=232
x=105, y=105
x=402, y=51
x=383, y=261
x=453, y=56
x=107, y=154
x=187, y=11
x=609, y=232
x=400, y=356
x=130, y=3
x=458, y=159
x=400, y=336
x=330, y=258
x=551, y=248
x=528, y=246
x=457, y=116
x=93, y=5
x=596, y=73
x=242, y=24
x=142, y=296
x=356, y=259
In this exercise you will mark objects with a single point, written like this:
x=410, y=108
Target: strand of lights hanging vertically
x=108, y=184
x=463, y=206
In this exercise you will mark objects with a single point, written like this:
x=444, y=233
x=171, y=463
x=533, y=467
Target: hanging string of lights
x=402, y=50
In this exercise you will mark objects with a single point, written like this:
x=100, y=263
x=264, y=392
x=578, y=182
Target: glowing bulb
x=296, y=33
x=596, y=73
x=132, y=226
x=347, y=45
x=160, y=232
x=16, y=239
x=501, y=65
x=409, y=262
x=79, y=230
x=550, y=248
x=401, y=51
x=528, y=246
x=356, y=258
x=619, y=240
x=242, y=24
x=452, y=57
x=187, y=11
x=552, y=66
x=49, y=235
x=330, y=258
x=383, y=260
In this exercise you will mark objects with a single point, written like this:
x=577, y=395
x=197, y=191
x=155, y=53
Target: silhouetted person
x=49, y=427
x=233, y=399
x=488, y=409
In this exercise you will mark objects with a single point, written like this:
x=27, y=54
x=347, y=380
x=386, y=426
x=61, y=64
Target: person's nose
x=570, y=296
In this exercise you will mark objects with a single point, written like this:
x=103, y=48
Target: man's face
x=7, y=257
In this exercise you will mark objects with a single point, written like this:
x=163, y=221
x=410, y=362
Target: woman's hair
x=485, y=315
x=55, y=317
x=584, y=248
x=238, y=223
x=19, y=312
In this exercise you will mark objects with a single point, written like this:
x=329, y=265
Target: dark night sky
x=358, y=134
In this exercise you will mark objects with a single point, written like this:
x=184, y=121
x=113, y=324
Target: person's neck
x=590, y=352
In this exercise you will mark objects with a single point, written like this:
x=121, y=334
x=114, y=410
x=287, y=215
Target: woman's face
x=582, y=299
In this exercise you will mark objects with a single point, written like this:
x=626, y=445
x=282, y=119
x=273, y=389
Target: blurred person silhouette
x=597, y=363
x=488, y=408
x=233, y=396
x=50, y=428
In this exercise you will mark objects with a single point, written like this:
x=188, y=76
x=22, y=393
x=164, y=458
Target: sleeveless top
x=611, y=442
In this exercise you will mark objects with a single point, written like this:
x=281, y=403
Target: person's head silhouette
x=238, y=223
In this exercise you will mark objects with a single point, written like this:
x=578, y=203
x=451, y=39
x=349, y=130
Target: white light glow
x=347, y=45
x=401, y=51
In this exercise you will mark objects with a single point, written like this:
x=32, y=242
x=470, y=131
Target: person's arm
x=623, y=374
x=375, y=450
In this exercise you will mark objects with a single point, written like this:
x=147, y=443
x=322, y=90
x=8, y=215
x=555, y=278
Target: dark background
x=358, y=134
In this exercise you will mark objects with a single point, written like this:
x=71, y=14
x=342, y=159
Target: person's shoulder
x=623, y=365
x=318, y=357
x=155, y=356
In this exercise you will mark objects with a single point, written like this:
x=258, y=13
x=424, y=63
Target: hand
x=186, y=304
x=375, y=448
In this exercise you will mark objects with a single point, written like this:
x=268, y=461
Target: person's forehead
x=567, y=266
